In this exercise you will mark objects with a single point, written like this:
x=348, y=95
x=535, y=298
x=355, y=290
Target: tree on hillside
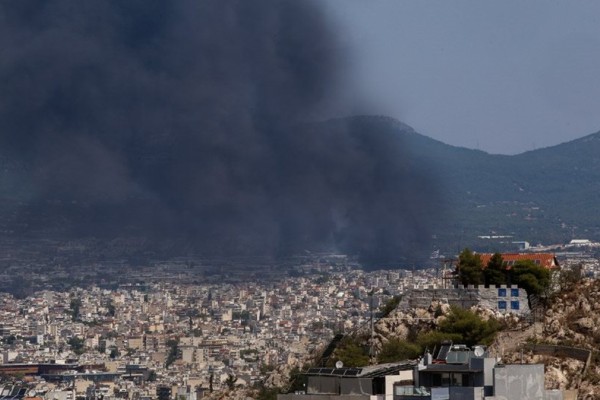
x=470, y=268
x=495, y=271
x=389, y=306
x=266, y=393
x=473, y=330
x=298, y=380
x=534, y=278
x=432, y=339
x=230, y=381
x=352, y=352
x=397, y=350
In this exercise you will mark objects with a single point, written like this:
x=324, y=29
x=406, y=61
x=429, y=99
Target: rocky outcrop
x=572, y=321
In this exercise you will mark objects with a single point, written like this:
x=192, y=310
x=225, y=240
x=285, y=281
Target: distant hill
x=458, y=197
x=548, y=195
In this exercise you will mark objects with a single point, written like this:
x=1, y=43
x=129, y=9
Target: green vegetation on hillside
x=398, y=349
x=353, y=351
x=471, y=328
x=460, y=326
x=534, y=278
x=470, y=271
x=389, y=306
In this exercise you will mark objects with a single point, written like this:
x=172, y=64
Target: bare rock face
x=584, y=306
x=399, y=324
x=555, y=377
x=422, y=314
x=553, y=326
x=585, y=324
x=572, y=319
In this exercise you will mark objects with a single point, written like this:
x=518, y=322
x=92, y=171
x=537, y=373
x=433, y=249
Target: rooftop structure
x=453, y=372
x=547, y=260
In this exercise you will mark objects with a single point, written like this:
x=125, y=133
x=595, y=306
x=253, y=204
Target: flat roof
x=451, y=368
x=364, y=372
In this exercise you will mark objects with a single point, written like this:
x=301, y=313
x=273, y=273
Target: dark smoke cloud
x=188, y=120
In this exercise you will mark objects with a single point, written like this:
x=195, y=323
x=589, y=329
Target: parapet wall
x=502, y=298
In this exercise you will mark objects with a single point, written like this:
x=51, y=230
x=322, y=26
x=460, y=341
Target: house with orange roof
x=547, y=260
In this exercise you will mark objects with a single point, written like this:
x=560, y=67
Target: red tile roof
x=547, y=260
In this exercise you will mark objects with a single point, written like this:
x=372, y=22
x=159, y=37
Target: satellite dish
x=478, y=351
x=339, y=364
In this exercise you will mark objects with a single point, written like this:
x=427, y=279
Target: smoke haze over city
x=199, y=122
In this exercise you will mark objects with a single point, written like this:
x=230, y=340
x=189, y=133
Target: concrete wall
x=391, y=379
x=519, y=381
x=486, y=379
x=554, y=395
x=466, y=393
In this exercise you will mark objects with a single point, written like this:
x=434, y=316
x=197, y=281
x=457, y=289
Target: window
x=465, y=380
x=404, y=390
x=502, y=305
x=514, y=292
x=457, y=379
x=514, y=305
x=441, y=379
x=502, y=292
x=446, y=379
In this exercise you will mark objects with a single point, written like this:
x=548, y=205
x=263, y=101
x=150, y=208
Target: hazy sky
x=501, y=76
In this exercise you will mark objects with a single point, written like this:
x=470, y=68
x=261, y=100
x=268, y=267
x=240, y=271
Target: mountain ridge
x=546, y=195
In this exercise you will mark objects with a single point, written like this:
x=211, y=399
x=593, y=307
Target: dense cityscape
x=299, y=200
x=182, y=333
x=174, y=326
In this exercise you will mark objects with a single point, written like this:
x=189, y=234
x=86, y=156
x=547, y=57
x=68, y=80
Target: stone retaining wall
x=502, y=298
x=575, y=353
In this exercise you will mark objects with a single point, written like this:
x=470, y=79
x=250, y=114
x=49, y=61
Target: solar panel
x=334, y=371
x=458, y=357
x=444, y=349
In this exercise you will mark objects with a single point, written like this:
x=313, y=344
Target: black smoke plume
x=190, y=121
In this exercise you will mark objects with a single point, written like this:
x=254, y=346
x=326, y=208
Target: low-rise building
x=455, y=372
